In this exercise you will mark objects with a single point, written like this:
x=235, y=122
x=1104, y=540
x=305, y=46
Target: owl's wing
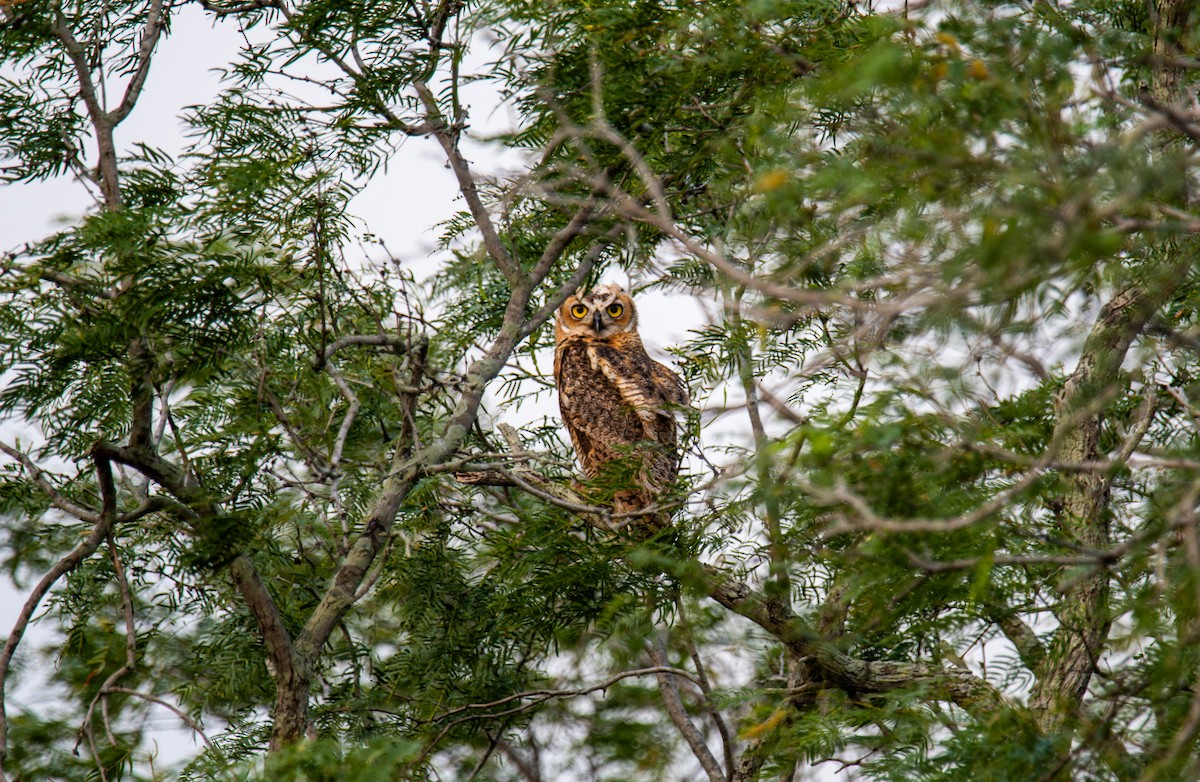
x=655, y=393
x=646, y=386
x=611, y=399
x=670, y=385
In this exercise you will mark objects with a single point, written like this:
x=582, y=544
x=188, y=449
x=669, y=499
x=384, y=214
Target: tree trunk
x=1083, y=613
x=289, y=718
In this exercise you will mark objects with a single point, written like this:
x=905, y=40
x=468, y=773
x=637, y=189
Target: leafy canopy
x=939, y=513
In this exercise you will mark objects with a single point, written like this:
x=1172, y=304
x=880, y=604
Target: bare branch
x=38, y=476
x=191, y=723
x=156, y=21
x=1096, y=559
x=292, y=673
x=835, y=668
x=339, y=443
x=125, y=669
x=447, y=137
x=366, y=90
x=1029, y=647
x=869, y=520
x=398, y=343
x=67, y=281
x=239, y=8
x=558, y=243
x=539, y=696
x=779, y=406
x=571, y=285
x=83, y=71
x=534, y=698
x=110, y=186
x=663, y=219
x=140, y=363
x=706, y=690
x=678, y=714
x=527, y=768
x=750, y=765
x=344, y=588
x=85, y=549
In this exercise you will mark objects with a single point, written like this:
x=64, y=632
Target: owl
x=616, y=402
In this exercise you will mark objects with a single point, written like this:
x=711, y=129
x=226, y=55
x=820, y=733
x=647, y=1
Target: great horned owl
x=615, y=400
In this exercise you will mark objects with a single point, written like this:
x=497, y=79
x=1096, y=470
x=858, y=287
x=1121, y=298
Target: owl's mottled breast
x=593, y=406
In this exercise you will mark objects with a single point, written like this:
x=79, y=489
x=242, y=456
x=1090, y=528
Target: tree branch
x=239, y=8
x=706, y=690
x=558, y=243
x=38, y=476
x=546, y=694
x=1029, y=647
x=447, y=137
x=100, y=532
x=398, y=343
x=110, y=186
x=344, y=588
x=156, y=20
x=191, y=723
x=1082, y=612
x=572, y=284
x=678, y=714
x=292, y=673
x=127, y=668
x=836, y=668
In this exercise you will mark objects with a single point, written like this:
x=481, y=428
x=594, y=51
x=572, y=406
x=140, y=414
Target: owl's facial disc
x=602, y=312
x=612, y=310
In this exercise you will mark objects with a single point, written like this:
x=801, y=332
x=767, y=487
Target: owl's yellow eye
x=615, y=310
x=578, y=311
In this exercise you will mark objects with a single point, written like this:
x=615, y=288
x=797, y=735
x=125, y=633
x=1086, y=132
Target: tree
x=953, y=254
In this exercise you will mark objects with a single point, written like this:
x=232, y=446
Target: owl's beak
x=597, y=323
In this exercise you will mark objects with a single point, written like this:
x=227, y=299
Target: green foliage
x=948, y=253
x=378, y=760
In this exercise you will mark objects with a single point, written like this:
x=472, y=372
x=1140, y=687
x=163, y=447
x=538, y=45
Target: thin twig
x=656, y=648
x=38, y=476
x=129, y=665
x=399, y=343
x=239, y=8
x=539, y=696
x=187, y=720
x=339, y=446
x=706, y=689
x=65, y=565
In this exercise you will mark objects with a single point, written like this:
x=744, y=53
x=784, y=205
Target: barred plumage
x=616, y=401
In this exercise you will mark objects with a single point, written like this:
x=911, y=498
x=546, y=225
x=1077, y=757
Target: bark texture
x=1083, y=612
